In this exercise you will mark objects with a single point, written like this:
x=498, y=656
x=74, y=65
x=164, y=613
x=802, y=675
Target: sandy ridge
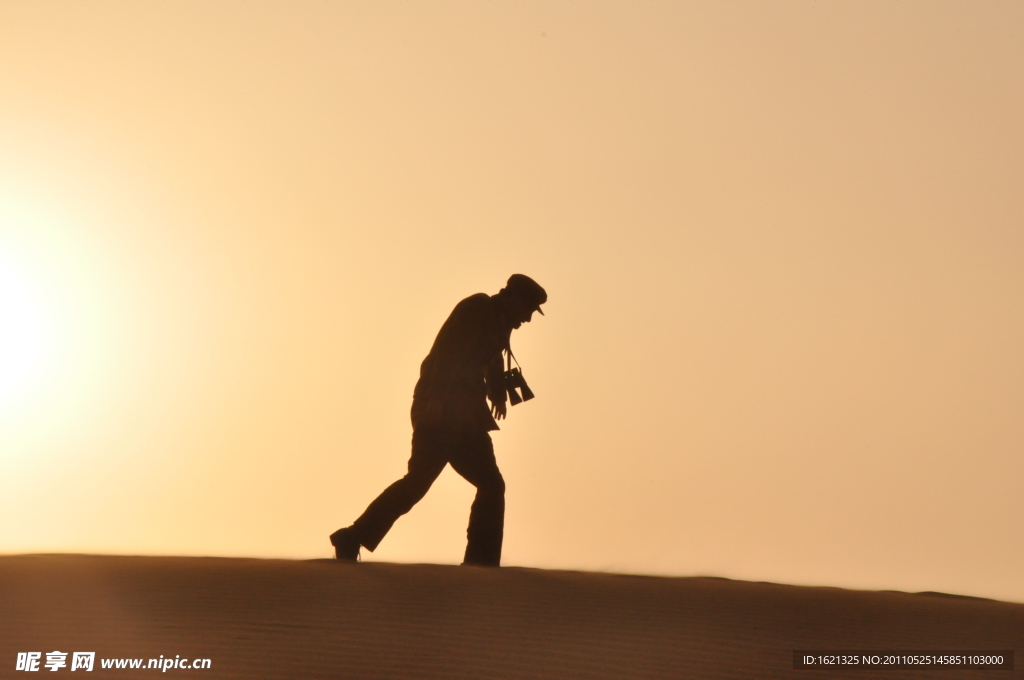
x=314, y=619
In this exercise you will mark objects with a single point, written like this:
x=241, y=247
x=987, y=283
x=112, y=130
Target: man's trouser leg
x=472, y=456
x=426, y=463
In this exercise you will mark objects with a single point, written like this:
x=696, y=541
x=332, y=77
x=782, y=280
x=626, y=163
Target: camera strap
x=511, y=358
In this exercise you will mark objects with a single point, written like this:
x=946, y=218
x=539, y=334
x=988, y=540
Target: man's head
x=522, y=297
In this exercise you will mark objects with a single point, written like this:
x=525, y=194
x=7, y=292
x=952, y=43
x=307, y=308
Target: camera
x=514, y=381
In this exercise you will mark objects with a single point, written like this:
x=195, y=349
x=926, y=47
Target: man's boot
x=346, y=546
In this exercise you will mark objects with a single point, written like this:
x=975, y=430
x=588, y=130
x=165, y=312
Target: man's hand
x=498, y=410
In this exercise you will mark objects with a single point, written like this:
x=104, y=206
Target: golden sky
x=783, y=244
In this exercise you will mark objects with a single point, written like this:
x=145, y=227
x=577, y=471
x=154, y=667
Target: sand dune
x=313, y=619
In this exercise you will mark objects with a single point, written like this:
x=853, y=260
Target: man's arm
x=495, y=379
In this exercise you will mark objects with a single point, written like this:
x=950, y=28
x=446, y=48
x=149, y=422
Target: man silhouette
x=451, y=422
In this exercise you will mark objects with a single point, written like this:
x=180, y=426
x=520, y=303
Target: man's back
x=464, y=365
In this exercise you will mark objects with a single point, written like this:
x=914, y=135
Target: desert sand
x=317, y=619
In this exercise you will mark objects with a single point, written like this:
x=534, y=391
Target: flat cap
x=527, y=289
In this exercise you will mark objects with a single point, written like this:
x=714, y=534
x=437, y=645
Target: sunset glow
x=23, y=332
x=782, y=244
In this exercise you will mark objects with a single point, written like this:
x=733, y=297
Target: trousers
x=471, y=454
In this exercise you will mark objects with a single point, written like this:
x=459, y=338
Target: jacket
x=465, y=366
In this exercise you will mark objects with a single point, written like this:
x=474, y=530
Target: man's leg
x=426, y=463
x=472, y=456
